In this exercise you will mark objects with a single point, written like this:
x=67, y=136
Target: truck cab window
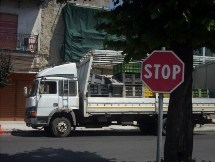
x=48, y=87
x=67, y=88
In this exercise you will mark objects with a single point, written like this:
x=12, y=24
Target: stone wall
x=52, y=32
x=93, y=3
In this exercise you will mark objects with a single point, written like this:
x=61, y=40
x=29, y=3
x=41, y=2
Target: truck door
x=47, y=98
x=68, y=96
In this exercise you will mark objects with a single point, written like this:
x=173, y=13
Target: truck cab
x=53, y=92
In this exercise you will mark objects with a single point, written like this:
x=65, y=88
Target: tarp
x=80, y=33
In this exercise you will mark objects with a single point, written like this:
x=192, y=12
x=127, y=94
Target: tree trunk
x=179, y=138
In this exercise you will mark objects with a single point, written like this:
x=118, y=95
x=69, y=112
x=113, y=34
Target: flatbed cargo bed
x=116, y=105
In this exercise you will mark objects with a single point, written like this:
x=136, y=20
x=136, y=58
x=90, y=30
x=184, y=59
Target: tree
x=179, y=25
x=5, y=68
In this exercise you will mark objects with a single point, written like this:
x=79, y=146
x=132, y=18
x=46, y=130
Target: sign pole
x=160, y=126
x=162, y=72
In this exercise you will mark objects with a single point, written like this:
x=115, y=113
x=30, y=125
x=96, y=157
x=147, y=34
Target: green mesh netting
x=80, y=33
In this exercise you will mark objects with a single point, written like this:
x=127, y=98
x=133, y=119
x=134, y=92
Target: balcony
x=25, y=43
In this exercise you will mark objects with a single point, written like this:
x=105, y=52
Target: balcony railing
x=19, y=42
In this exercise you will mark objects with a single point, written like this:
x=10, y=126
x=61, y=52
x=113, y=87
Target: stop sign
x=162, y=71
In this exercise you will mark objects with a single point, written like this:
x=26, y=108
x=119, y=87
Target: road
x=93, y=146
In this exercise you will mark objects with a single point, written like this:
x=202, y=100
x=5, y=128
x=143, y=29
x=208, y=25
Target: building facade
x=31, y=34
x=20, y=26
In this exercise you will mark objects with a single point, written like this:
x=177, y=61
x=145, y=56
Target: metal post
x=160, y=126
x=203, y=54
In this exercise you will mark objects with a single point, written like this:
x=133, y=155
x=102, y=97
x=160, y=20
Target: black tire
x=61, y=127
x=164, y=126
x=145, y=129
x=148, y=126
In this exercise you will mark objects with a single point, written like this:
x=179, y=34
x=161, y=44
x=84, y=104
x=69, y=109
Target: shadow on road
x=79, y=133
x=54, y=155
x=87, y=133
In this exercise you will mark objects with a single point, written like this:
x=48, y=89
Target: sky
x=111, y=4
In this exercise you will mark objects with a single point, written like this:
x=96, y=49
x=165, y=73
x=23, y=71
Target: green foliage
x=5, y=68
x=148, y=25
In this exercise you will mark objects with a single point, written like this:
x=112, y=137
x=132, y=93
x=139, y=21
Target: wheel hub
x=62, y=127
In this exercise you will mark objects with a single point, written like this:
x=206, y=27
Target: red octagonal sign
x=162, y=71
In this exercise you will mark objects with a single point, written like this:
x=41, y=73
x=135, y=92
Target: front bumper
x=36, y=122
x=31, y=122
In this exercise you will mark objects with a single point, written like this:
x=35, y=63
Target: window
x=9, y=25
x=48, y=87
x=67, y=88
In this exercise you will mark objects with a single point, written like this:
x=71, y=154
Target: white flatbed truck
x=58, y=101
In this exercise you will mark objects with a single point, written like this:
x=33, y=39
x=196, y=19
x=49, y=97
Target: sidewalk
x=10, y=126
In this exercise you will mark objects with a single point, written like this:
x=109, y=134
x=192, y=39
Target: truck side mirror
x=26, y=91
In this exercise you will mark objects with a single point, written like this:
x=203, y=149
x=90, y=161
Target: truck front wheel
x=61, y=127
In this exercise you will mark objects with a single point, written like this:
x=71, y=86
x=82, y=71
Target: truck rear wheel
x=61, y=127
x=148, y=126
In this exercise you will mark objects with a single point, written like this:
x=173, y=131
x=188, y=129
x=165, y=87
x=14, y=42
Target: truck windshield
x=33, y=90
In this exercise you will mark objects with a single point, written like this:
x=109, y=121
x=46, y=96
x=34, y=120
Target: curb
x=4, y=131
